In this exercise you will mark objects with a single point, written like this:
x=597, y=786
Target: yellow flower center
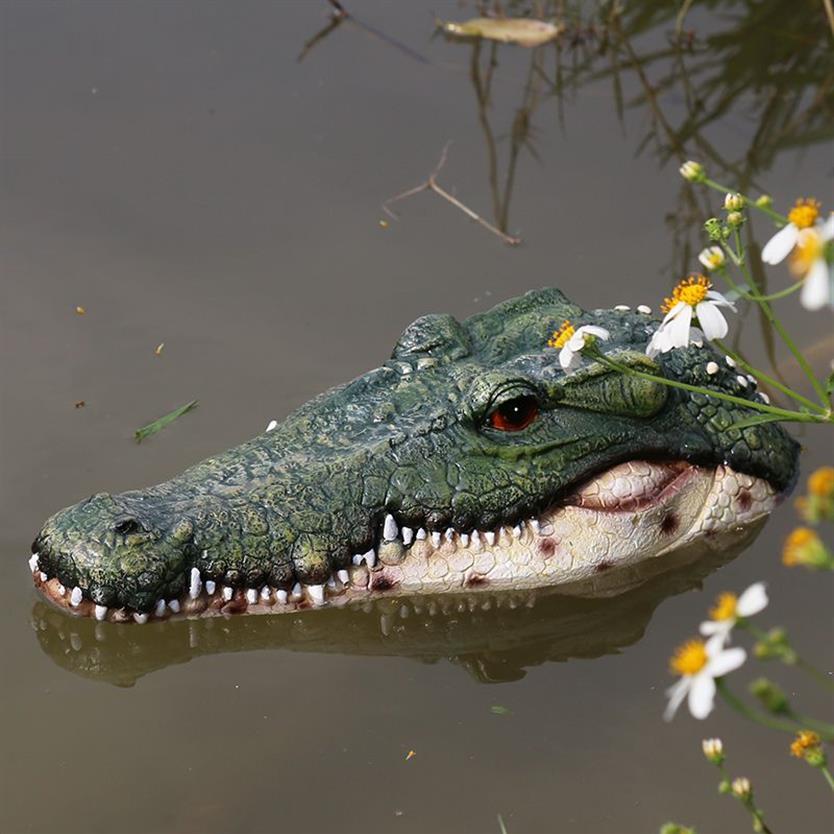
x=561, y=336
x=797, y=545
x=805, y=740
x=821, y=482
x=725, y=607
x=804, y=213
x=689, y=658
x=808, y=249
x=692, y=291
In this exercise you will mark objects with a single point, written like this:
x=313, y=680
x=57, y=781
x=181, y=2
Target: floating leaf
x=158, y=425
x=497, y=709
x=520, y=31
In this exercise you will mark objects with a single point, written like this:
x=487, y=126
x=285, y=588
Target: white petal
x=701, y=696
x=676, y=695
x=710, y=628
x=593, y=330
x=720, y=300
x=827, y=231
x=567, y=358
x=816, y=288
x=679, y=328
x=777, y=248
x=724, y=662
x=712, y=321
x=753, y=600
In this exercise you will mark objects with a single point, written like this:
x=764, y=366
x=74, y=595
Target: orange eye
x=515, y=414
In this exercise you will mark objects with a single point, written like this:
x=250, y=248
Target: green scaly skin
x=411, y=438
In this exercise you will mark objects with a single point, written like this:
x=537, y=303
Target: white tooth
x=174, y=605
x=547, y=529
x=75, y=597
x=281, y=596
x=534, y=523
x=33, y=563
x=712, y=368
x=44, y=577
x=408, y=535
x=476, y=539
x=271, y=425
x=61, y=589
x=251, y=596
x=265, y=592
x=316, y=593
x=517, y=531
x=295, y=593
x=490, y=537
x=421, y=534
x=211, y=587
x=464, y=539
x=358, y=558
x=622, y=307
x=730, y=361
x=101, y=612
x=344, y=576
x=643, y=308
x=751, y=379
x=435, y=538
x=389, y=529
x=742, y=381
x=160, y=608
x=370, y=558
x=196, y=584
x=228, y=592
x=450, y=533
x=331, y=583
x=140, y=618
x=764, y=397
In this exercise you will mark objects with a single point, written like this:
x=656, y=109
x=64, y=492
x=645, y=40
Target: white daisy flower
x=712, y=257
x=810, y=263
x=572, y=341
x=729, y=609
x=803, y=215
x=699, y=663
x=691, y=298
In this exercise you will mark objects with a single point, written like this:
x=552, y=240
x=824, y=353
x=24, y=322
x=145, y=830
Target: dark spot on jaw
x=744, y=499
x=602, y=567
x=381, y=582
x=476, y=579
x=547, y=547
x=669, y=524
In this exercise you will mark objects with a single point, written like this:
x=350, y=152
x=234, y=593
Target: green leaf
x=167, y=419
x=497, y=709
x=829, y=385
x=758, y=420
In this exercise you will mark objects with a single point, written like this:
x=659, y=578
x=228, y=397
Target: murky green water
x=175, y=170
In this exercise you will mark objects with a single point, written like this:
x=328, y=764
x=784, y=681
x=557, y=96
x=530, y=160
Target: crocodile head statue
x=468, y=461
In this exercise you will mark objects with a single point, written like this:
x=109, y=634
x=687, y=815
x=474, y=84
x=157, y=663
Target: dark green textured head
x=390, y=481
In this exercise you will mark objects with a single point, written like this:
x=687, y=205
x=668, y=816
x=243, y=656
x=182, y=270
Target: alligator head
x=469, y=461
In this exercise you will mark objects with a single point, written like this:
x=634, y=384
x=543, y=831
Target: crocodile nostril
x=126, y=525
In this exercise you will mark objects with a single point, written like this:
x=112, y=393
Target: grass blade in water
x=158, y=425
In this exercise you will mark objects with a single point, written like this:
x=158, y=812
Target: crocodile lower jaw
x=635, y=511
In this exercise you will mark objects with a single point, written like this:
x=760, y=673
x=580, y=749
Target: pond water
x=175, y=170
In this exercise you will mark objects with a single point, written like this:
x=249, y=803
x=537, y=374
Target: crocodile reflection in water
x=496, y=638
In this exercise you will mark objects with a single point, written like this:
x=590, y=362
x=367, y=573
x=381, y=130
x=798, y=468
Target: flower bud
x=712, y=257
x=765, y=201
x=734, y=202
x=714, y=228
x=692, y=171
x=742, y=788
x=713, y=750
x=770, y=696
x=735, y=219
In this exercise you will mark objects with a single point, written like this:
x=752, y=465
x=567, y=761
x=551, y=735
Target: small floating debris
x=410, y=755
x=159, y=348
x=80, y=404
x=520, y=31
x=162, y=422
x=81, y=311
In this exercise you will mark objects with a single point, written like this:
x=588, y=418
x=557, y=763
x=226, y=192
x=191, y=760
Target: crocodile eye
x=515, y=414
x=126, y=525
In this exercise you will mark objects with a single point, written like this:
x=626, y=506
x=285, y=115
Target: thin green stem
x=753, y=715
x=775, y=383
x=828, y=777
x=824, y=729
x=783, y=334
x=814, y=672
x=781, y=413
x=773, y=215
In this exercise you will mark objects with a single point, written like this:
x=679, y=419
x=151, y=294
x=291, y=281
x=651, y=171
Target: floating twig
x=430, y=184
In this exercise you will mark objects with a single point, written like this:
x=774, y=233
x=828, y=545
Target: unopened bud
x=712, y=257
x=692, y=171
x=735, y=219
x=770, y=696
x=765, y=201
x=734, y=202
x=713, y=750
x=742, y=788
